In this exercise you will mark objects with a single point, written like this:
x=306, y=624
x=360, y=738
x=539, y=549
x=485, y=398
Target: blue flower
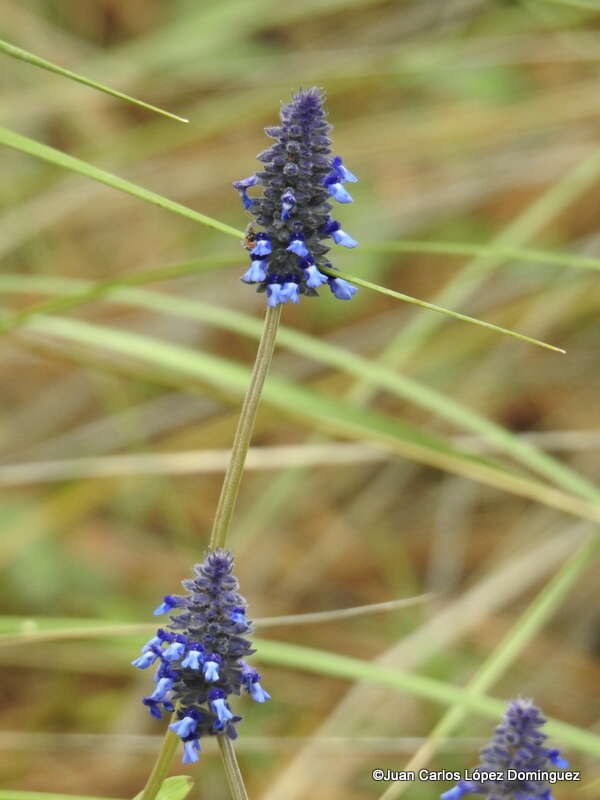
x=242, y=187
x=250, y=680
x=341, y=288
x=174, y=651
x=193, y=659
x=274, y=294
x=298, y=178
x=256, y=273
x=517, y=745
x=218, y=703
x=146, y=659
x=315, y=278
x=211, y=668
x=262, y=247
x=168, y=604
x=339, y=236
x=201, y=651
x=343, y=173
x=336, y=190
x=184, y=727
x=289, y=291
x=238, y=615
x=191, y=751
x=298, y=247
x=288, y=204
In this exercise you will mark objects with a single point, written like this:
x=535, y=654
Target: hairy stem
x=218, y=537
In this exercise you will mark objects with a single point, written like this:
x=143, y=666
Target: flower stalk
x=218, y=538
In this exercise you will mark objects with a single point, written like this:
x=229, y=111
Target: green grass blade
x=42, y=151
x=340, y=666
x=406, y=298
x=329, y=414
x=502, y=251
x=372, y=372
x=23, y=55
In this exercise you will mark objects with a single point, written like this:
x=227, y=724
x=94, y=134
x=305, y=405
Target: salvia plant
x=299, y=178
x=199, y=656
x=518, y=758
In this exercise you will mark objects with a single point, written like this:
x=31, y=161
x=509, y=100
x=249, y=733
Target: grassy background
x=467, y=121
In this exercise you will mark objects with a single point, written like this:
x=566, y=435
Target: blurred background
x=469, y=121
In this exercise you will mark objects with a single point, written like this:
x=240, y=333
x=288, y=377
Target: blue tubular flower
x=193, y=659
x=262, y=246
x=256, y=273
x=218, y=703
x=191, y=751
x=339, y=236
x=174, y=651
x=518, y=745
x=298, y=177
x=341, y=288
x=146, y=659
x=344, y=174
x=201, y=653
x=242, y=187
x=168, y=604
x=314, y=277
x=336, y=190
x=298, y=247
x=250, y=680
x=184, y=727
x=210, y=670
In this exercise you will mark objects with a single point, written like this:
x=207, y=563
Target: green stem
x=232, y=770
x=218, y=537
x=243, y=434
x=161, y=765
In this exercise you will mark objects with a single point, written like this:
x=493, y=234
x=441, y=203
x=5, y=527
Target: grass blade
x=24, y=55
x=406, y=298
x=49, y=154
x=341, y=666
x=375, y=374
x=330, y=414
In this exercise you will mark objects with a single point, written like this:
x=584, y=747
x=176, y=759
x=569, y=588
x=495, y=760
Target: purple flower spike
x=516, y=749
x=202, y=650
x=298, y=177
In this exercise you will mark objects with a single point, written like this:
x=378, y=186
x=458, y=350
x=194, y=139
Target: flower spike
x=517, y=749
x=298, y=178
x=201, y=650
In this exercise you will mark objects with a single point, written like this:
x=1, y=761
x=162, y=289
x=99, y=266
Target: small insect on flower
x=514, y=764
x=298, y=180
x=199, y=656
